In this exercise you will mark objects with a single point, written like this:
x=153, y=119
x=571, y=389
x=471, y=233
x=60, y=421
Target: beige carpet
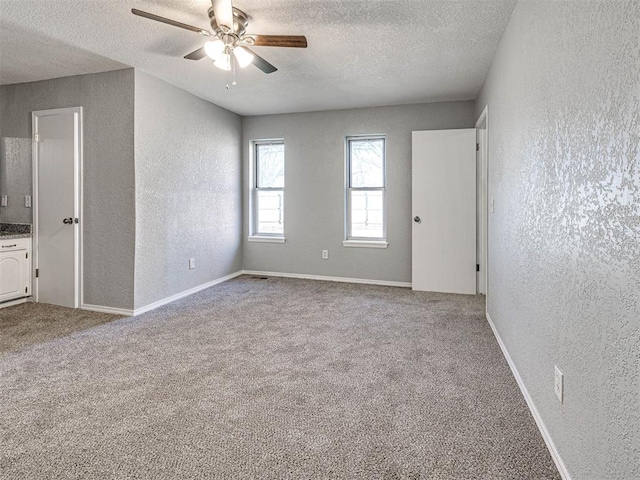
x=260, y=379
x=33, y=323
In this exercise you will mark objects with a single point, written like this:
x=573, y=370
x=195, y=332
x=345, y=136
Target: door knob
x=67, y=221
x=417, y=219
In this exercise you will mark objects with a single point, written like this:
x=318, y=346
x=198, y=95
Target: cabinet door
x=13, y=274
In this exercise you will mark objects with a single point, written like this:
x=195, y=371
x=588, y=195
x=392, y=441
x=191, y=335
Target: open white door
x=57, y=177
x=481, y=196
x=444, y=211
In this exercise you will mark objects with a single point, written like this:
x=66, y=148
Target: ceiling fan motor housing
x=240, y=22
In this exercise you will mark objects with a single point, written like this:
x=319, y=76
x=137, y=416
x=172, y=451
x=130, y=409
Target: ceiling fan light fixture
x=223, y=62
x=229, y=26
x=243, y=56
x=214, y=49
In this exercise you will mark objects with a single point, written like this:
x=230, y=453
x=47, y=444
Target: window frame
x=350, y=240
x=254, y=234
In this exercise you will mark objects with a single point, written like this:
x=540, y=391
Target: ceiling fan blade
x=294, y=41
x=168, y=21
x=196, y=55
x=261, y=63
x=223, y=10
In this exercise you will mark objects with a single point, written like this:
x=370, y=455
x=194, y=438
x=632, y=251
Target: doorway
x=57, y=195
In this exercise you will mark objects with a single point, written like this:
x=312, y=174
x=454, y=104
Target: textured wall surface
x=314, y=187
x=564, y=259
x=188, y=190
x=15, y=179
x=109, y=216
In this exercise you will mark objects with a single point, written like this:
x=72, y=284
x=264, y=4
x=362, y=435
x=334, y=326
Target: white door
x=444, y=211
x=57, y=151
x=481, y=187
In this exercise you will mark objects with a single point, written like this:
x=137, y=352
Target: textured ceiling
x=27, y=56
x=361, y=52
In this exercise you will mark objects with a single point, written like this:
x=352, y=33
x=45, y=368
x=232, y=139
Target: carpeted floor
x=259, y=379
x=32, y=323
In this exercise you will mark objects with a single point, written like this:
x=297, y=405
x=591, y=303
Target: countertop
x=10, y=235
x=14, y=230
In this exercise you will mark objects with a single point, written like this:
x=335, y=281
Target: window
x=267, y=214
x=366, y=195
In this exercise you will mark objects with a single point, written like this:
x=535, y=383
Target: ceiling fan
x=229, y=43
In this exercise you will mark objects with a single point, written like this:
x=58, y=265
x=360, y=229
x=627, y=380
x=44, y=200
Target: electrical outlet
x=559, y=384
x=4, y=201
x=325, y=254
x=493, y=206
x=27, y=201
x=192, y=263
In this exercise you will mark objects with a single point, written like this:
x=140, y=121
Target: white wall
x=314, y=187
x=564, y=241
x=188, y=190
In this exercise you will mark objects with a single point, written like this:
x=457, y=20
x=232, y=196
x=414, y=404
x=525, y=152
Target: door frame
x=483, y=151
x=78, y=164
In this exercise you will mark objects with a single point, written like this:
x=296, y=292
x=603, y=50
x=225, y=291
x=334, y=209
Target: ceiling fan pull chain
x=234, y=62
x=231, y=68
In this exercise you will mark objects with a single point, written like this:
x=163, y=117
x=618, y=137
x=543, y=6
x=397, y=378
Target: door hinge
x=477, y=147
x=477, y=267
x=37, y=272
x=36, y=137
x=26, y=255
x=26, y=289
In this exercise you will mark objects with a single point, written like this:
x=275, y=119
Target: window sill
x=365, y=243
x=266, y=239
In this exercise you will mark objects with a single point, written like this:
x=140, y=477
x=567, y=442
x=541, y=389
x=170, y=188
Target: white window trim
x=367, y=242
x=255, y=236
x=265, y=239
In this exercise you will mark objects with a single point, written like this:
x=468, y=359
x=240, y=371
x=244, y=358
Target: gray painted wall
x=314, y=187
x=188, y=190
x=15, y=179
x=564, y=259
x=109, y=216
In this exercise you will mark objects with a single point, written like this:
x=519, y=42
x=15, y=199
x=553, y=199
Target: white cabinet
x=15, y=268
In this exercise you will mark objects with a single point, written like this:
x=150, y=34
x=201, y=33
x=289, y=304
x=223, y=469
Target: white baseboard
x=11, y=303
x=328, y=279
x=99, y=308
x=564, y=473
x=186, y=293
